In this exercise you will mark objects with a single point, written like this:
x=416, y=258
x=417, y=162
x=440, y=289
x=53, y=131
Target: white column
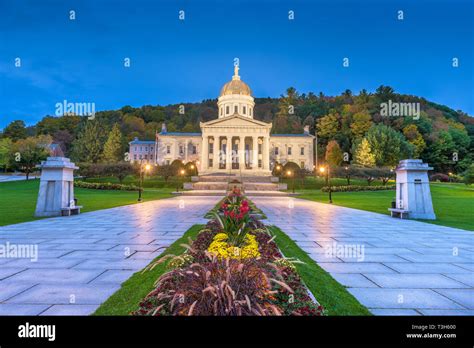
x=242, y=152
x=228, y=155
x=185, y=151
x=216, y=150
x=204, y=153
x=266, y=152
x=255, y=153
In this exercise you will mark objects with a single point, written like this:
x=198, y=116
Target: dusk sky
x=175, y=61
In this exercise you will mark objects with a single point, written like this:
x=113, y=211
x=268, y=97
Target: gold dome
x=236, y=85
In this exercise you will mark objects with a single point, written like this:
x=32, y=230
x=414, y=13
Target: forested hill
x=438, y=134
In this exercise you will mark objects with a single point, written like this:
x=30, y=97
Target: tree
x=166, y=171
x=361, y=123
x=388, y=145
x=363, y=154
x=415, y=138
x=88, y=146
x=5, y=151
x=113, y=146
x=119, y=170
x=15, y=130
x=469, y=175
x=28, y=153
x=328, y=126
x=334, y=155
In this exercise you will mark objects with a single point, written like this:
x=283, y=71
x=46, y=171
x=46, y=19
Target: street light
x=147, y=167
x=289, y=173
x=181, y=174
x=328, y=184
x=348, y=177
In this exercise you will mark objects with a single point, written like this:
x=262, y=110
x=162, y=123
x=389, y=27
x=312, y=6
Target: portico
x=235, y=143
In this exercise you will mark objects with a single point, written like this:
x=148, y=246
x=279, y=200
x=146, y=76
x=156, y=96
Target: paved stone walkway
x=408, y=267
x=82, y=260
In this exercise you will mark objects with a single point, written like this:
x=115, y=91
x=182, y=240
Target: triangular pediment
x=236, y=121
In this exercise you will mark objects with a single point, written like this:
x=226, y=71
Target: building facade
x=235, y=141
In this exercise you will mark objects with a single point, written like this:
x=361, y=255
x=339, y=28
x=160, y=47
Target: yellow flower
x=223, y=250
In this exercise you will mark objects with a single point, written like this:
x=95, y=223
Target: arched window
x=236, y=109
x=244, y=110
x=227, y=110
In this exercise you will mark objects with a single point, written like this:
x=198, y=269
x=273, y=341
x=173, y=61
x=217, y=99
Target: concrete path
x=82, y=260
x=392, y=266
x=8, y=178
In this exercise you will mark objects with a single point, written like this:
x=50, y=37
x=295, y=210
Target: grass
x=333, y=296
x=133, y=290
x=316, y=183
x=18, y=199
x=453, y=203
x=329, y=292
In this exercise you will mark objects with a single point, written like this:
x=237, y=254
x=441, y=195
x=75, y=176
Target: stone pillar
x=413, y=189
x=266, y=153
x=215, y=156
x=254, y=152
x=56, y=186
x=228, y=155
x=242, y=152
x=205, y=153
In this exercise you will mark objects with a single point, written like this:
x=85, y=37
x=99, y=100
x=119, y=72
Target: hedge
x=357, y=188
x=105, y=186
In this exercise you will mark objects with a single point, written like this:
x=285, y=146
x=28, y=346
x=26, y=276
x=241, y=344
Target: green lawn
x=332, y=295
x=18, y=199
x=133, y=290
x=453, y=203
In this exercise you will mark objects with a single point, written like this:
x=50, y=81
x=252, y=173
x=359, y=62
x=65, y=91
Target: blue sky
x=174, y=61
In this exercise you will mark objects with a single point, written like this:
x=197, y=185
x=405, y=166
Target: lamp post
x=180, y=176
x=348, y=177
x=140, y=182
x=328, y=183
x=290, y=174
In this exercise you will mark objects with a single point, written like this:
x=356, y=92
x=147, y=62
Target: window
x=211, y=163
x=260, y=163
x=227, y=110
x=210, y=148
x=136, y=148
x=146, y=157
x=181, y=149
x=259, y=149
x=244, y=110
x=222, y=111
x=146, y=148
x=289, y=150
x=276, y=150
x=302, y=164
x=135, y=157
x=236, y=109
x=194, y=150
x=302, y=151
x=168, y=149
x=250, y=111
x=140, y=157
x=151, y=148
x=141, y=148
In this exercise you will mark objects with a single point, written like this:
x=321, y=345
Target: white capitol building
x=234, y=142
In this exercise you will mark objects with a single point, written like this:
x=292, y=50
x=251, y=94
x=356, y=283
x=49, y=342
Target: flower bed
x=233, y=267
x=105, y=186
x=354, y=188
x=218, y=208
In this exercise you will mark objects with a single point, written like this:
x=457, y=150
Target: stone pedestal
x=56, y=186
x=413, y=189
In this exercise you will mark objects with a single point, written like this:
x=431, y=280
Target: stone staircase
x=219, y=184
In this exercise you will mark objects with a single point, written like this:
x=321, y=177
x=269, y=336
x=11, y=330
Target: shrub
x=119, y=170
x=191, y=169
x=469, y=175
x=439, y=177
x=357, y=188
x=105, y=186
x=293, y=168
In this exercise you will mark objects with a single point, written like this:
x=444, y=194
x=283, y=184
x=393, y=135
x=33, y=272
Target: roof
x=291, y=135
x=181, y=134
x=138, y=142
